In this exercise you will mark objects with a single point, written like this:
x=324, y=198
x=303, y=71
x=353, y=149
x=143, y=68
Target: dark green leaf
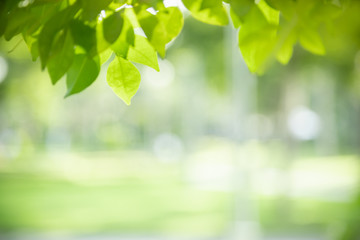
x=147, y=22
x=84, y=36
x=51, y=28
x=17, y=21
x=125, y=40
x=92, y=8
x=112, y=27
x=62, y=58
x=81, y=74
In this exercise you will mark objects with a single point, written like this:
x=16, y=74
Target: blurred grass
x=302, y=215
x=129, y=192
x=42, y=204
x=137, y=200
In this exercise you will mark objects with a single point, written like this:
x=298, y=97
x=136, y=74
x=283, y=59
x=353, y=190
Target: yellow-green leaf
x=311, y=41
x=208, y=11
x=286, y=50
x=124, y=79
x=143, y=52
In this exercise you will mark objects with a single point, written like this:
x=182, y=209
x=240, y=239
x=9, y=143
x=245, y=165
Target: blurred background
x=206, y=150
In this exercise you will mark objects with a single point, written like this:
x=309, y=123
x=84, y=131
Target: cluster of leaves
x=75, y=37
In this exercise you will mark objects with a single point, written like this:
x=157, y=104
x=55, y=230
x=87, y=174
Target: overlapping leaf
x=208, y=11
x=51, y=28
x=161, y=28
x=75, y=37
x=62, y=58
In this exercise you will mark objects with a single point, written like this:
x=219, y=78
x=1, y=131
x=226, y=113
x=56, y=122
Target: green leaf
x=3, y=17
x=287, y=8
x=271, y=15
x=207, y=11
x=108, y=31
x=257, y=39
x=324, y=12
x=143, y=52
x=18, y=20
x=121, y=48
x=131, y=16
x=62, y=58
x=147, y=21
x=310, y=40
x=112, y=27
x=32, y=44
x=161, y=28
x=124, y=79
x=125, y=40
x=43, y=13
x=210, y=4
x=129, y=35
x=81, y=74
x=84, y=36
x=286, y=50
x=235, y=19
x=240, y=8
x=171, y=21
x=105, y=55
x=256, y=49
x=101, y=43
x=92, y=8
x=51, y=28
